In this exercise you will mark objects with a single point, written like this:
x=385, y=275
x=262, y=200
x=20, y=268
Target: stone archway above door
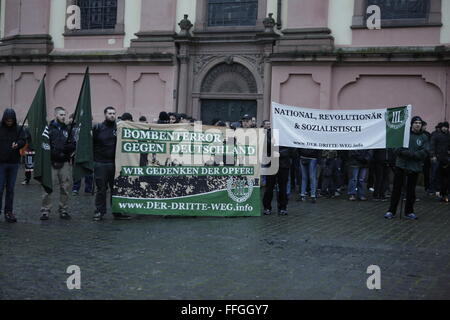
x=229, y=78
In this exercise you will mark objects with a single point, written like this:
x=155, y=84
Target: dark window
x=232, y=12
x=402, y=9
x=98, y=14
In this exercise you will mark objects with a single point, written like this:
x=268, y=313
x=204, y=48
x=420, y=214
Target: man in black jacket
x=62, y=146
x=104, y=142
x=440, y=153
x=12, y=138
x=280, y=178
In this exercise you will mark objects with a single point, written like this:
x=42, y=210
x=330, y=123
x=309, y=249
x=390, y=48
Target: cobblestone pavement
x=318, y=251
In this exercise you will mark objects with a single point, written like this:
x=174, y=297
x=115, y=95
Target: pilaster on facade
x=157, y=31
x=22, y=35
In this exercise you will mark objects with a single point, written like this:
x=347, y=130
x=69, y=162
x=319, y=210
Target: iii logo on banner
x=396, y=119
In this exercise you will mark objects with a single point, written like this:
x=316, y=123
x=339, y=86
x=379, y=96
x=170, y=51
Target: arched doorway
x=228, y=91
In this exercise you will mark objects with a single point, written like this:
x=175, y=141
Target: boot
x=9, y=216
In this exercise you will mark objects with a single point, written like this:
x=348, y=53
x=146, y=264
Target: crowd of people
x=314, y=173
x=330, y=173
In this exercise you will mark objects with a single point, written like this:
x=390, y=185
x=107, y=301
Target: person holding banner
x=359, y=161
x=280, y=178
x=408, y=165
x=61, y=150
x=104, y=143
x=12, y=139
x=308, y=165
x=440, y=151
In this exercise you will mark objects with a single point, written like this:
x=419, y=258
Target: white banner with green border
x=342, y=129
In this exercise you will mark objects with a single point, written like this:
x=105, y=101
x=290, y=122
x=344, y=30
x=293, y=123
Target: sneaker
x=9, y=217
x=25, y=182
x=282, y=213
x=44, y=216
x=389, y=215
x=74, y=193
x=121, y=216
x=97, y=216
x=64, y=215
x=411, y=216
x=371, y=189
x=267, y=212
x=352, y=198
x=363, y=199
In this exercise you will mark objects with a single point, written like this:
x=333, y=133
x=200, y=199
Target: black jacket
x=8, y=135
x=286, y=155
x=309, y=153
x=61, y=145
x=105, y=139
x=440, y=145
x=360, y=158
x=384, y=156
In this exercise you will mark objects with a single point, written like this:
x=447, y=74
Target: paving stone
x=318, y=251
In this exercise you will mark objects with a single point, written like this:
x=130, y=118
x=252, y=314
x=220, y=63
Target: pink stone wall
x=158, y=15
x=429, y=36
x=27, y=17
x=365, y=87
x=307, y=14
x=143, y=90
x=93, y=42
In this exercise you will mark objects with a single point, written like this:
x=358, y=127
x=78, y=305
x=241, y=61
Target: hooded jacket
x=8, y=135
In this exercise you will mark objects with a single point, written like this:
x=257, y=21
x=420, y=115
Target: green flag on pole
x=82, y=132
x=37, y=126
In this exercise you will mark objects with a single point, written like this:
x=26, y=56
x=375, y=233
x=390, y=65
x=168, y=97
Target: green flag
x=37, y=126
x=82, y=132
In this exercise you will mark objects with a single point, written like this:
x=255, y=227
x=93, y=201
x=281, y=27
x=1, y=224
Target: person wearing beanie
x=163, y=117
x=440, y=155
x=126, y=117
x=408, y=165
x=12, y=139
x=427, y=163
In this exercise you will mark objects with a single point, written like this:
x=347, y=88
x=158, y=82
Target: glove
x=405, y=153
x=68, y=148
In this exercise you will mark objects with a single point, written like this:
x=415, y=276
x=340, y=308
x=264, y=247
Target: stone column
x=157, y=28
x=183, y=78
x=26, y=28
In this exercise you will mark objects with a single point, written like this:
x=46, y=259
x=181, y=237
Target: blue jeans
x=309, y=172
x=8, y=175
x=356, y=184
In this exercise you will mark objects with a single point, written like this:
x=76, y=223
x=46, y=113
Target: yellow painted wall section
x=340, y=16
x=132, y=20
x=58, y=19
x=185, y=7
x=445, y=30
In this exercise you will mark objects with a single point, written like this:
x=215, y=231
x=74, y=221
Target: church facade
x=224, y=58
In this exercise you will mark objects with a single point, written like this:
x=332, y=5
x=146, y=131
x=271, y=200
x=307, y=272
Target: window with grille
x=232, y=12
x=98, y=14
x=402, y=9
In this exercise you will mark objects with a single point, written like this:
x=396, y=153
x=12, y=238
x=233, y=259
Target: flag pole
x=26, y=117
x=69, y=136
